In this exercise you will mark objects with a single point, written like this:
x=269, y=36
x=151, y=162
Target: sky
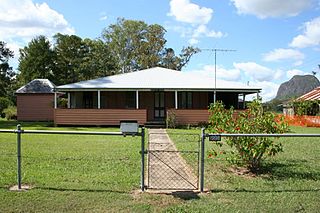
x=271, y=40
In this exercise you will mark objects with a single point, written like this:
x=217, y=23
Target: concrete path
x=166, y=168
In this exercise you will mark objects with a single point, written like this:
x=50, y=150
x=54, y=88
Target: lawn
x=102, y=174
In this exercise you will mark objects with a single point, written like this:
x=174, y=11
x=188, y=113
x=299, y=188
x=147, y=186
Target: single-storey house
x=146, y=96
x=35, y=101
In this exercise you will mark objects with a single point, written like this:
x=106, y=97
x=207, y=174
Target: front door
x=159, y=109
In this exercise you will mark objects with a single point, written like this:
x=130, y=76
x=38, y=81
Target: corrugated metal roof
x=37, y=86
x=310, y=96
x=156, y=78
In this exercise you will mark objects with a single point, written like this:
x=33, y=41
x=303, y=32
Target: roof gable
x=37, y=86
x=312, y=95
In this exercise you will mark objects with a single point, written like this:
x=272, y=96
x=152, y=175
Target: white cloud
x=271, y=8
x=285, y=54
x=23, y=18
x=189, y=13
x=269, y=89
x=310, y=36
x=185, y=11
x=293, y=72
x=258, y=72
x=203, y=30
x=222, y=73
x=193, y=41
x=102, y=18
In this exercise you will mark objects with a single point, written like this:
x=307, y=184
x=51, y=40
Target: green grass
x=102, y=174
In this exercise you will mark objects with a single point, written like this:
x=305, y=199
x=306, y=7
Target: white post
x=137, y=99
x=55, y=100
x=99, y=101
x=69, y=100
x=258, y=95
x=176, y=99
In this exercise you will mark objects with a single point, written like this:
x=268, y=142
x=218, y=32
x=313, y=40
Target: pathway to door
x=166, y=168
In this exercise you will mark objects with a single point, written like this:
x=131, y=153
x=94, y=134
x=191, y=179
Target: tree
x=70, y=51
x=137, y=45
x=171, y=61
x=98, y=61
x=6, y=72
x=36, y=60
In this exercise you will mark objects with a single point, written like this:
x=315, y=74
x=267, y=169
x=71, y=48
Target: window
x=87, y=100
x=185, y=100
x=130, y=99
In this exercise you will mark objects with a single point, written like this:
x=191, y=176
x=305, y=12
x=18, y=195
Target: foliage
x=37, y=60
x=171, y=119
x=4, y=103
x=137, y=45
x=10, y=112
x=309, y=107
x=249, y=151
x=6, y=72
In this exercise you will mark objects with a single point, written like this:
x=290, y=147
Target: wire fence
x=72, y=155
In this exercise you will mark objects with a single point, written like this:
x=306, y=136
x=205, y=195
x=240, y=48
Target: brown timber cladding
x=98, y=116
x=35, y=107
x=190, y=116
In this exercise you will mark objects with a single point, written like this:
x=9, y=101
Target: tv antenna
x=215, y=50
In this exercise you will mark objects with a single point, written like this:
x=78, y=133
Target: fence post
x=142, y=158
x=19, y=155
x=203, y=137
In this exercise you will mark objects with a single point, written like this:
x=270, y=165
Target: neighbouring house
x=310, y=96
x=313, y=95
x=147, y=96
x=35, y=101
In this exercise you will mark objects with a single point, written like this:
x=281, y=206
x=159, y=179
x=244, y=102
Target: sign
x=214, y=137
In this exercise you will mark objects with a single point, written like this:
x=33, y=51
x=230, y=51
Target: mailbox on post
x=129, y=127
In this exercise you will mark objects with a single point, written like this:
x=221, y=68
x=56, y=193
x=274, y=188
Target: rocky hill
x=297, y=86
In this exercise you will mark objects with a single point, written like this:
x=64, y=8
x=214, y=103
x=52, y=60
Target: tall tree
x=171, y=61
x=36, y=60
x=135, y=44
x=70, y=51
x=6, y=72
x=98, y=61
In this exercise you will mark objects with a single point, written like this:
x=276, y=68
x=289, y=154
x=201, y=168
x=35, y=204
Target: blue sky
x=273, y=39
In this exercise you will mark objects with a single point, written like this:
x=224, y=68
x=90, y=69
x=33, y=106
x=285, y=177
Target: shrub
x=10, y=112
x=247, y=151
x=4, y=103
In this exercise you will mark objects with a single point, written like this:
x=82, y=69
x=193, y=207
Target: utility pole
x=215, y=50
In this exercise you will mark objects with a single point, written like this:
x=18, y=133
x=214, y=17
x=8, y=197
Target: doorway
x=159, y=106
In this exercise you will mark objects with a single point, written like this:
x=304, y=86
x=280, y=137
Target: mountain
x=297, y=86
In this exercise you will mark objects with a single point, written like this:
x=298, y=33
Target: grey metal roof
x=37, y=86
x=157, y=78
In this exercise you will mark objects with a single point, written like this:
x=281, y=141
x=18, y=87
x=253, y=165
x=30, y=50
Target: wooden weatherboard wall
x=35, y=107
x=98, y=116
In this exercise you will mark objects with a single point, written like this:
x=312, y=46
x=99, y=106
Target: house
x=146, y=96
x=310, y=96
x=35, y=101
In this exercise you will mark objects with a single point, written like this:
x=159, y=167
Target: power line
x=215, y=50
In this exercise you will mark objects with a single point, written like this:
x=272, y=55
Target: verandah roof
x=158, y=78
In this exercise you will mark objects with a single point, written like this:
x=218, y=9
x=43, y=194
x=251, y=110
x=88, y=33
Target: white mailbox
x=129, y=127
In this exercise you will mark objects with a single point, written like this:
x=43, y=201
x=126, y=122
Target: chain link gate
x=172, y=166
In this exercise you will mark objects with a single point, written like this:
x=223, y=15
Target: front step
x=155, y=124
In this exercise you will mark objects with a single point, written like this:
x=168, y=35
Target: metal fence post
x=19, y=155
x=203, y=137
x=142, y=158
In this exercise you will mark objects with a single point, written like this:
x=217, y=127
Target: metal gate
x=172, y=165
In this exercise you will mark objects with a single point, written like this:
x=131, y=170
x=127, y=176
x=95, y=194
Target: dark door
x=159, y=109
